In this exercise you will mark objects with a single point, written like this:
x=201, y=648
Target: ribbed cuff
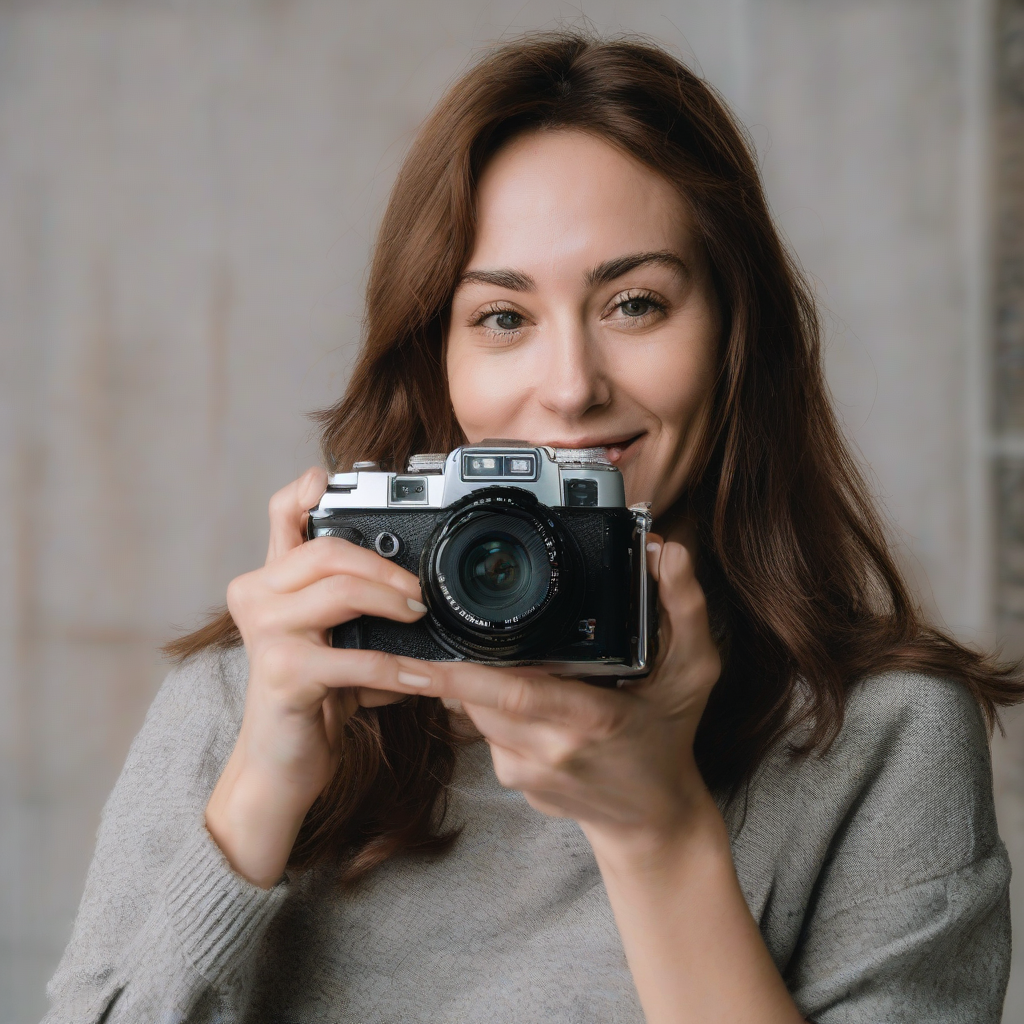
x=218, y=916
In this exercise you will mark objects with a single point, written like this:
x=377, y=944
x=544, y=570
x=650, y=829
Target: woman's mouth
x=617, y=449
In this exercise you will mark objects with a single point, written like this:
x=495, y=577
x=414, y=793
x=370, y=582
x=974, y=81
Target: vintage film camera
x=525, y=555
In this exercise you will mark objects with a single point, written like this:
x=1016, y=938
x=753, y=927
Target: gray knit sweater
x=876, y=874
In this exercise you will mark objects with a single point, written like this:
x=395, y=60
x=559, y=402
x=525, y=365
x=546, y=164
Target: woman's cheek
x=485, y=394
x=465, y=388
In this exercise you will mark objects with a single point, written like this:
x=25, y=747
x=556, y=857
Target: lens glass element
x=497, y=568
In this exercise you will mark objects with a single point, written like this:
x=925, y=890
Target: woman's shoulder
x=903, y=793
x=901, y=798
x=912, y=755
x=200, y=702
x=900, y=729
x=911, y=716
x=214, y=676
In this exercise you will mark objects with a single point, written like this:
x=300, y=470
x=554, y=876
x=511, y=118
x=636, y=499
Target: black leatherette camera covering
x=604, y=537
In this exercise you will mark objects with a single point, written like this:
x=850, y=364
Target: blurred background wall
x=188, y=193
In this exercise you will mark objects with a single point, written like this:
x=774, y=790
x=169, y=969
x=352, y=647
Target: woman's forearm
x=693, y=947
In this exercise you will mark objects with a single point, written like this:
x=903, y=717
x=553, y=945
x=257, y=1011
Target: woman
x=791, y=817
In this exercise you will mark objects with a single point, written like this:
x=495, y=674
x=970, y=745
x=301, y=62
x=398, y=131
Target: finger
x=288, y=509
x=333, y=556
x=551, y=745
x=554, y=793
x=514, y=771
x=532, y=696
x=655, y=542
x=523, y=693
x=336, y=599
x=690, y=663
x=336, y=667
x=683, y=607
x=376, y=670
x=337, y=708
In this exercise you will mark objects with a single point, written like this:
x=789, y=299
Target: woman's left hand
x=619, y=761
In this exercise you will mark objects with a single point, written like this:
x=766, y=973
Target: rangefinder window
x=488, y=466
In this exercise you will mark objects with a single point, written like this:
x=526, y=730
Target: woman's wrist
x=254, y=823
x=696, y=833
x=688, y=934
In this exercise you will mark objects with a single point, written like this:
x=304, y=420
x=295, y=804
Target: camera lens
x=496, y=568
x=501, y=568
x=500, y=575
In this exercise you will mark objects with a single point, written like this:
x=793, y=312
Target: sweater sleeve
x=166, y=930
x=908, y=915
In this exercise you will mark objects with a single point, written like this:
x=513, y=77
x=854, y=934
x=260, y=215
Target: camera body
x=525, y=555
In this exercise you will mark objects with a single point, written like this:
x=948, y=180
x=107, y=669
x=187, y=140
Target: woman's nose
x=573, y=380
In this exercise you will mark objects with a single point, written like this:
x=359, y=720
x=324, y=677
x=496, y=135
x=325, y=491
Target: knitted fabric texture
x=875, y=872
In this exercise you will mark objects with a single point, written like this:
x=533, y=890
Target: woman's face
x=585, y=315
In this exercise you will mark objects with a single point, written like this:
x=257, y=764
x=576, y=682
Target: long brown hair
x=793, y=557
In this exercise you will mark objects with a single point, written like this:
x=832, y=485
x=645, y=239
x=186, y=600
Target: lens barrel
x=501, y=576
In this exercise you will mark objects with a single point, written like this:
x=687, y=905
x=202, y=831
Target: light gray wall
x=187, y=197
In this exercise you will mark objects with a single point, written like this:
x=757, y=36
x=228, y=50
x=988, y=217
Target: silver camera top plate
x=581, y=478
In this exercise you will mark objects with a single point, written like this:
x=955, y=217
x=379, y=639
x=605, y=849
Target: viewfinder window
x=520, y=465
x=481, y=466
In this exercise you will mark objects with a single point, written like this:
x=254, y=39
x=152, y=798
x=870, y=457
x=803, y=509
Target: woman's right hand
x=300, y=691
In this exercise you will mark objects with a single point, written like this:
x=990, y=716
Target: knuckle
x=517, y=697
x=694, y=607
x=507, y=770
x=281, y=503
x=252, y=607
x=561, y=751
x=608, y=720
x=239, y=593
x=378, y=664
x=676, y=562
x=506, y=778
x=342, y=586
x=398, y=579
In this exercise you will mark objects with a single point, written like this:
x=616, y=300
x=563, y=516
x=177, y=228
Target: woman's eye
x=503, y=320
x=637, y=307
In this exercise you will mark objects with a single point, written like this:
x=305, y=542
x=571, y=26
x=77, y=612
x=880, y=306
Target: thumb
x=689, y=657
x=288, y=508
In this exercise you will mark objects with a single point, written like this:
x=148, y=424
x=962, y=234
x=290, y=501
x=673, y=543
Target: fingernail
x=408, y=679
x=654, y=565
x=416, y=606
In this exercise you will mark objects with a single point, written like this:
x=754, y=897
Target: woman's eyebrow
x=611, y=269
x=517, y=281
x=514, y=280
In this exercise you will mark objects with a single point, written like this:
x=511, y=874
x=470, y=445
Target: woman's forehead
x=553, y=197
